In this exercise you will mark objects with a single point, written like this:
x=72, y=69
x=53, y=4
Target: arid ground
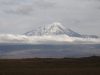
x=51, y=66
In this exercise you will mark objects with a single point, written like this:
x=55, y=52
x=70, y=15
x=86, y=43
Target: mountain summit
x=55, y=29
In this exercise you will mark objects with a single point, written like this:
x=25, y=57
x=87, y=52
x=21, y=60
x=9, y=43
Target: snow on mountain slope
x=53, y=29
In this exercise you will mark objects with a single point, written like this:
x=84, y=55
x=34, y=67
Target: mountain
x=52, y=29
x=56, y=29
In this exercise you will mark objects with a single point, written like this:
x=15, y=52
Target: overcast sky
x=19, y=16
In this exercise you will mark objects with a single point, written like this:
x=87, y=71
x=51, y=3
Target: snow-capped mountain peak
x=56, y=29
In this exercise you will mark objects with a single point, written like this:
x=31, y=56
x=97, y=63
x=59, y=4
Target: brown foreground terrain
x=50, y=66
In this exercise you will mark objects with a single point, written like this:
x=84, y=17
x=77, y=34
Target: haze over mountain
x=54, y=33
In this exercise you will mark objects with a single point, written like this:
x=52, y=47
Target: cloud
x=50, y=39
x=17, y=8
x=45, y=4
x=20, y=10
x=26, y=8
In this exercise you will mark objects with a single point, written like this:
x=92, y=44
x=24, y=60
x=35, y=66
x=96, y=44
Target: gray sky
x=19, y=16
